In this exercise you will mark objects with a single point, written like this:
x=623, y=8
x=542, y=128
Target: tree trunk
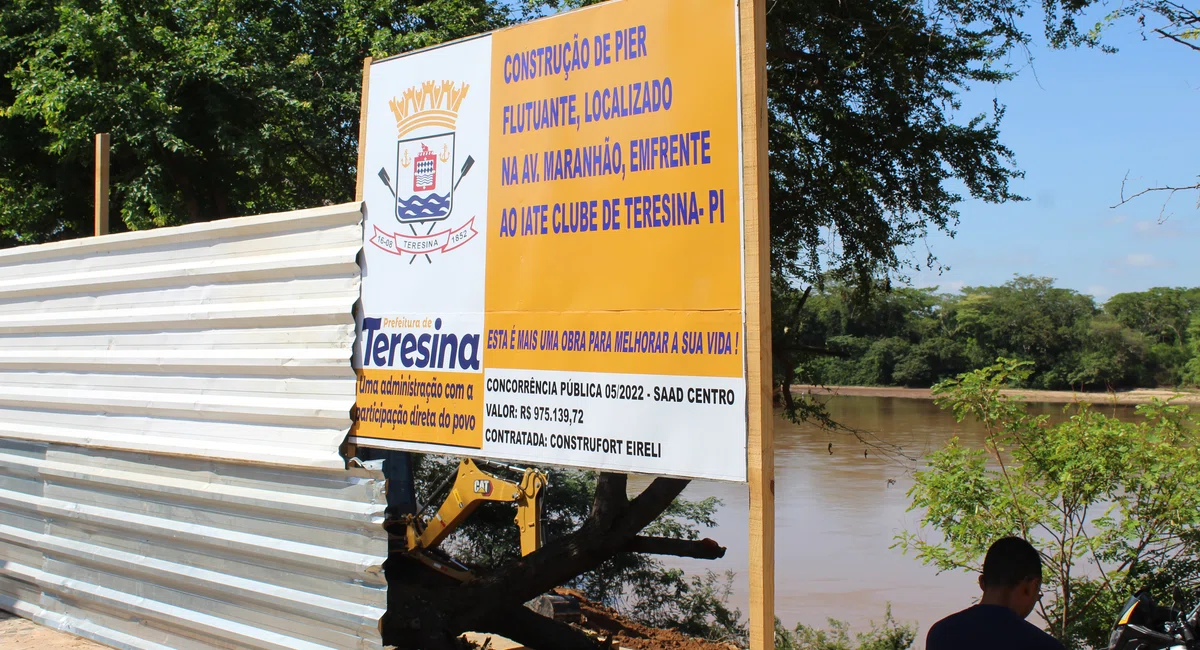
x=428, y=611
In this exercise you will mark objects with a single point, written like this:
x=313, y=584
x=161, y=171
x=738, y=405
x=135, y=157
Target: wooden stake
x=362, y=130
x=760, y=446
x=101, y=197
x=349, y=449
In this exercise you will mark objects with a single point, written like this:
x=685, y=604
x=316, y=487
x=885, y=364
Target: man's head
x=1012, y=575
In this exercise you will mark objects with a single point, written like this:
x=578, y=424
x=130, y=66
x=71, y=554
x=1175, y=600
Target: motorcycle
x=1144, y=625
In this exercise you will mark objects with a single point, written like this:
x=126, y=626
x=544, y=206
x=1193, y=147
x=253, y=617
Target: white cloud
x=1127, y=263
x=1167, y=229
x=1141, y=260
x=1112, y=221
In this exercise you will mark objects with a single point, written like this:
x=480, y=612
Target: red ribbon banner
x=440, y=242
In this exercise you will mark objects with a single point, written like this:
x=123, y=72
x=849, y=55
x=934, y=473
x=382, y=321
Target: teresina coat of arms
x=427, y=172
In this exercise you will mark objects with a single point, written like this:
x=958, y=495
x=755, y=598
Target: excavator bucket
x=558, y=607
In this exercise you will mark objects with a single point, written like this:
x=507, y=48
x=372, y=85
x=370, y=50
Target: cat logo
x=483, y=486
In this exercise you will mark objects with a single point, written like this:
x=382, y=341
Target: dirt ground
x=607, y=626
x=1130, y=397
x=607, y=623
x=17, y=633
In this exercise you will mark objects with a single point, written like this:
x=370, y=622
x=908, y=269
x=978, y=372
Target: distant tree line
x=918, y=336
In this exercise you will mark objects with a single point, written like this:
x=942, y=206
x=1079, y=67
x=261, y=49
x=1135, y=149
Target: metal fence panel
x=228, y=340
x=172, y=403
x=148, y=551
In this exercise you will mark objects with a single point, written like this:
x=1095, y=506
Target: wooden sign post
x=101, y=198
x=362, y=129
x=349, y=449
x=760, y=446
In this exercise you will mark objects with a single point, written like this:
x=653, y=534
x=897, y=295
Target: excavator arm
x=471, y=488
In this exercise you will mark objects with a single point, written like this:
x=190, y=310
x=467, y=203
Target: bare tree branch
x=704, y=549
x=1175, y=38
x=1171, y=190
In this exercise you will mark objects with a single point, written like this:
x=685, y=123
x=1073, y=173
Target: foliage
x=1027, y=318
x=863, y=144
x=697, y=606
x=1191, y=372
x=216, y=108
x=227, y=108
x=635, y=584
x=1111, y=355
x=1160, y=313
x=1110, y=505
x=917, y=337
x=887, y=635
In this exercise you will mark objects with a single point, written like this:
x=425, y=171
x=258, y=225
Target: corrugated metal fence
x=171, y=407
x=224, y=340
x=148, y=551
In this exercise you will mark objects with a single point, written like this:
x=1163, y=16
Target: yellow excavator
x=461, y=493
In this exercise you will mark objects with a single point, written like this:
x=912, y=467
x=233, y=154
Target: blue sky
x=1078, y=122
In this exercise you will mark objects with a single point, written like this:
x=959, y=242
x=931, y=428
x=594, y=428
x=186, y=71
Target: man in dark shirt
x=1011, y=584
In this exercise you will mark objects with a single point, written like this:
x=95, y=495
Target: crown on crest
x=432, y=103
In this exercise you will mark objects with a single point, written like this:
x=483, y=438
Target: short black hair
x=1011, y=561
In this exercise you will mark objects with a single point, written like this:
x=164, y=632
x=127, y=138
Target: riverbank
x=1124, y=398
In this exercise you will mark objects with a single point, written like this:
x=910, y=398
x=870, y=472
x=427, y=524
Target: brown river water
x=837, y=517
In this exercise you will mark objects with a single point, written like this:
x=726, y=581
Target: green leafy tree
x=1027, y=318
x=1191, y=372
x=865, y=139
x=864, y=142
x=851, y=206
x=843, y=335
x=1111, y=506
x=1161, y=313
x=215, y=108
x=881, y=336
x=697, y=606
x=877, y=367
x=885, y=635
x=1113, y=356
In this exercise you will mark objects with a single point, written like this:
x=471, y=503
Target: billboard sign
x=554, y=246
